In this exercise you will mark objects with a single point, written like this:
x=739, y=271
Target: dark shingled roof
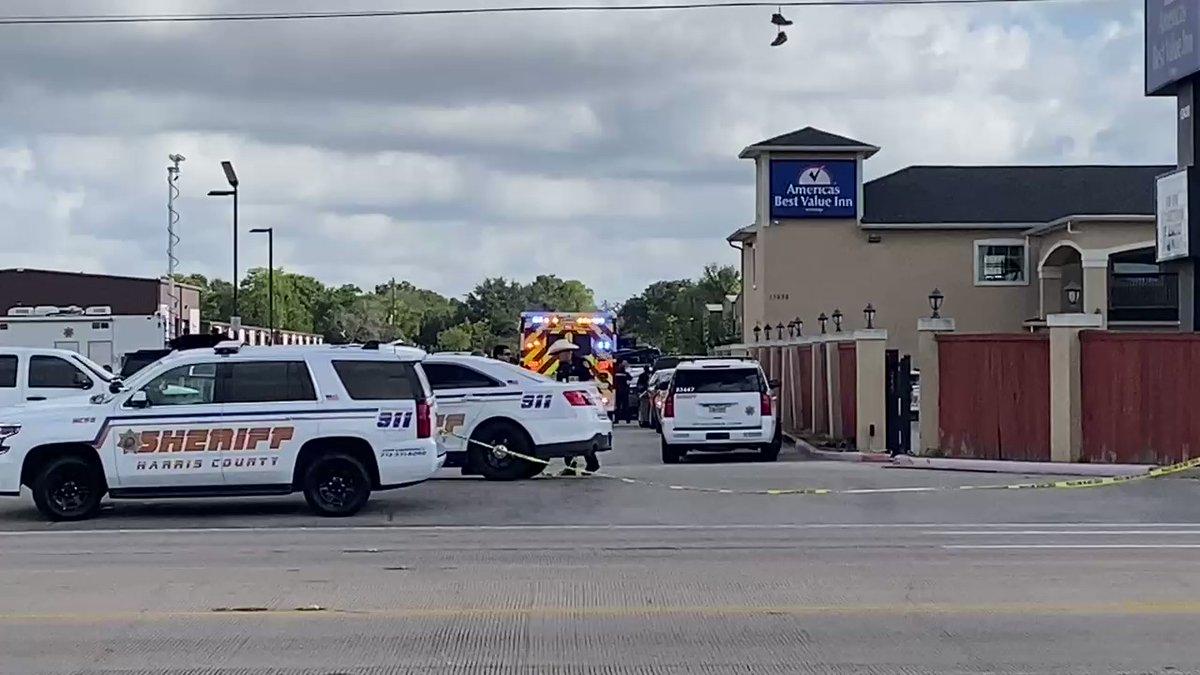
x=1008, y=194
x=811, y=137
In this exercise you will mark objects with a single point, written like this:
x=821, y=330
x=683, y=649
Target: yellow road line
x=630, y=612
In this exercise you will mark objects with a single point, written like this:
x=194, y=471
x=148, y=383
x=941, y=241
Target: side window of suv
x=453, y=376
x=8, y=372
x=193, y=384
x=379, y=380
x=264, y=382
x=51, y=372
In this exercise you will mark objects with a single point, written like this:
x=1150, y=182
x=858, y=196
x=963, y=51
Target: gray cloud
x=600, y=146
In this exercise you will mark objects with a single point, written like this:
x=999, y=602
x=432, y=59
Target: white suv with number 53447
x=717, y=405
x=333, y=422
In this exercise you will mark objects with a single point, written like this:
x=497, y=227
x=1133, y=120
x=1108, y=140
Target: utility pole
x=270, y=232
x=392, y=314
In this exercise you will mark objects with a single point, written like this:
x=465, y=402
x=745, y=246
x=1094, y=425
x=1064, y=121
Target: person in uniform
x=571, y=369
x=621, y=382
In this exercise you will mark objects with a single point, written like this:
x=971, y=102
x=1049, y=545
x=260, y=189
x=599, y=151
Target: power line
x=64, y=19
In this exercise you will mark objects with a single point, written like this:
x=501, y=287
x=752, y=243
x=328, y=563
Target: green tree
x=499, y=302
x=673, y=316
x=549, y=293
x=455, y=338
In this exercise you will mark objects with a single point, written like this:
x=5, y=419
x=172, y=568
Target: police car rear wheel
x=336, y=485
x=68, y=488
x=493, y=463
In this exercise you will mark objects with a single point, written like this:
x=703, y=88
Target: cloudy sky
x=445, y=149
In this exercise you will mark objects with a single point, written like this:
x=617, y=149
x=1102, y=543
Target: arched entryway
x=1124, y=283
x=1060, y=267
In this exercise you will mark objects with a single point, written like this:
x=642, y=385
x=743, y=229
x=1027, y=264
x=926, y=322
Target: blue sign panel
x=1171, y=49
x=814, y=188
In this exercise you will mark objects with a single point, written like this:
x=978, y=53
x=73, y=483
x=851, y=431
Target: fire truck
x=595, y=333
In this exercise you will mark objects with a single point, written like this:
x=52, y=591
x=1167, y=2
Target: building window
x=1001, y=262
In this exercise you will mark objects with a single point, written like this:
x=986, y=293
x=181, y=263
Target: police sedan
x=484, y=402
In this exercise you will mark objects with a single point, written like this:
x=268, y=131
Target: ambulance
x=595, y=333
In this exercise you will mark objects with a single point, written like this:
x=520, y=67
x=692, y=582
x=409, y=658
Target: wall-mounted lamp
x=821, y=319
x=757, y=332
x=1073, y=292
x=837, y=320
x=869, y=315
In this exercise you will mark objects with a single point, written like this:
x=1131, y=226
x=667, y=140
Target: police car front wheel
x=68, y=488
x=336, y=485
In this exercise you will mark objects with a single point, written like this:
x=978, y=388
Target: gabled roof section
x=809, y=139
x=988, y=195
x=743, y=233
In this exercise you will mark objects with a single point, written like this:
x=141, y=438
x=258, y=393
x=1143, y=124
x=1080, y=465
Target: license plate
x=719, y=436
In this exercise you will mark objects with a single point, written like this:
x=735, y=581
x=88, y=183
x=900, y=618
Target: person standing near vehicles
x=571, y=369
x=621, y=382
x=502, y=353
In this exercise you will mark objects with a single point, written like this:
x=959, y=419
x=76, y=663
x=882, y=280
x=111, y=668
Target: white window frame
x=977, y=272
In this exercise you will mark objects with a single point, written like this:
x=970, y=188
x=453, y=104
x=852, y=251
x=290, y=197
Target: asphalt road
x=587, y=575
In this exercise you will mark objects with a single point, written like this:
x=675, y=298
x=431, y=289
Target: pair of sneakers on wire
x=779, y=21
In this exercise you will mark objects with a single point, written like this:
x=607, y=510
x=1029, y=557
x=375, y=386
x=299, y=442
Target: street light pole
x=270, y=232
x=232, y=179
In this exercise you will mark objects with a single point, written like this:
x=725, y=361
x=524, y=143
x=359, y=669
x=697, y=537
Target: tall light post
x=270, y=232
x=232, y=178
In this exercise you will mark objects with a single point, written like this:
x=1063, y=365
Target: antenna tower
x=172, y=241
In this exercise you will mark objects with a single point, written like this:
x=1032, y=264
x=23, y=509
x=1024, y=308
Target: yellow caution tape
x=1155, y=472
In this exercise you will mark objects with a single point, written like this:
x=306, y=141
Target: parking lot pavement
x=588, y=575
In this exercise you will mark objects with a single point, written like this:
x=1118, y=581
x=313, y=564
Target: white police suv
x=717, y=405
x=486, y=402
x=332, y=422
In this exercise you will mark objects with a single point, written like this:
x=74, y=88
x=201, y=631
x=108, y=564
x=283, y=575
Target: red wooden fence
x=1140, y=397
x=804, y=379
x=994, y=398
x=848, y=389
x=820, y=406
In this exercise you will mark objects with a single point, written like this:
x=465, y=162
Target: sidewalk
x=973, y=465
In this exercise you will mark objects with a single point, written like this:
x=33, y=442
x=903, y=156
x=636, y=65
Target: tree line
x=670, y=315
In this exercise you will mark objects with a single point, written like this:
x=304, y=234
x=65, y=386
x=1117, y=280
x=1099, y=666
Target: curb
x=1019, y=467
x=836, y=455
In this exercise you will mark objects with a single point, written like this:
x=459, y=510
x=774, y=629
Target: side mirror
x=115, y=387
x=774, y=384
x=83, y=381
x=139, y=400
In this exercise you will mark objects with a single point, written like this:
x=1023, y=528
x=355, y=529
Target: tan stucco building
x=1002, y=243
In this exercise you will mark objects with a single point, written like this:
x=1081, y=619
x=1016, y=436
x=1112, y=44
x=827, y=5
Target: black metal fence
x=1143, y=296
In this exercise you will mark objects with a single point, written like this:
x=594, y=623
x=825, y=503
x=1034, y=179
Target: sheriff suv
x=485, y=403
x=717, y=405
x=332, y=422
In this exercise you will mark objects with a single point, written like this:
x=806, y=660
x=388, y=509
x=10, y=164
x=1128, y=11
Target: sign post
x=1173, y=69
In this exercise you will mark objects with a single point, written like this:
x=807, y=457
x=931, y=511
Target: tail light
x=577, y=399
x=764, y=406
x=668, y=409
x=424, y=419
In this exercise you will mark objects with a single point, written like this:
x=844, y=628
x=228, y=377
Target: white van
x=29, y=375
